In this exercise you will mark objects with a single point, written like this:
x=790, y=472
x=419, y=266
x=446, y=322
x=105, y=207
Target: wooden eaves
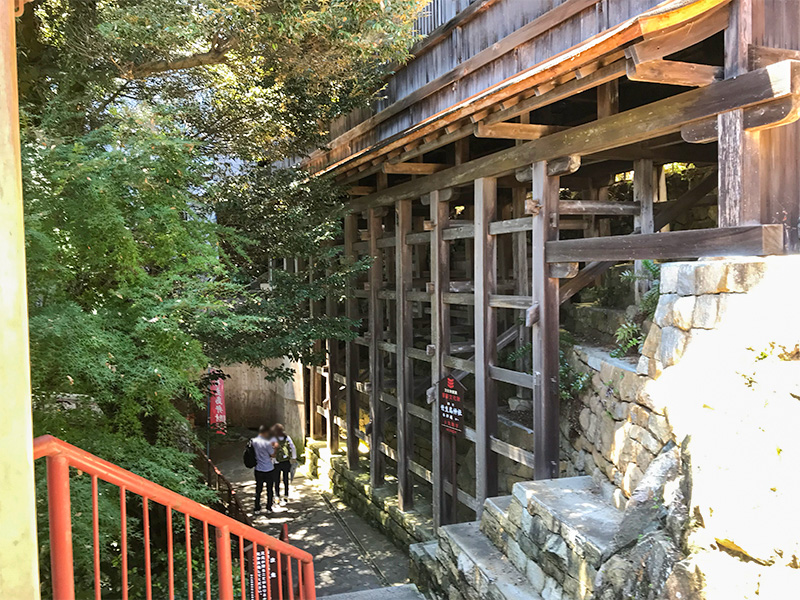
x=597, y=60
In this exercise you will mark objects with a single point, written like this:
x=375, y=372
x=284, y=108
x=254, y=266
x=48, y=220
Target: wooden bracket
x=673, y=72
x=515, y=131
x=411, y=168
x=532, y=207
x=756, y=118
x=563, y=165
x=532, y=315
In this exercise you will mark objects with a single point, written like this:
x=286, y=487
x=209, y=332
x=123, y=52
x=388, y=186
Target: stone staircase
x=546, y=541
x=400, y=592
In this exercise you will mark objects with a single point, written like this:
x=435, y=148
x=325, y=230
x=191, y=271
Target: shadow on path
x=349, y=554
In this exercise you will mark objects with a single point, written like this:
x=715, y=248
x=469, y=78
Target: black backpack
x=249, y=456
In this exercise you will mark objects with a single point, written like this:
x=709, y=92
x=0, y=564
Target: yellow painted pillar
x=19, y=571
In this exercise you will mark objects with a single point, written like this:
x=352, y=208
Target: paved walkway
x=349, y=554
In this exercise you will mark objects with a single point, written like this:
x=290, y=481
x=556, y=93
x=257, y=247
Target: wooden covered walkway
x=480, y=190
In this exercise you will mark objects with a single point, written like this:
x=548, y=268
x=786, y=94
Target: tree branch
x=215, y=56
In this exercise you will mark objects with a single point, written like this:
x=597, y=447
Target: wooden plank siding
x=508, y=38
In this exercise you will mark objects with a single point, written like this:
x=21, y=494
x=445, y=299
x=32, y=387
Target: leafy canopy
x=153, y=225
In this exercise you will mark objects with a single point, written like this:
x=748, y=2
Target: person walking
x=285, y=457
x=264, y=447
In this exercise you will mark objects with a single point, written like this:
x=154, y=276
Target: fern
x=628, y=336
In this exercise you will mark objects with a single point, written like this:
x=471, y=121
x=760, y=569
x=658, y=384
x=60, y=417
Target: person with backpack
x=285, y=457
x=259, y=456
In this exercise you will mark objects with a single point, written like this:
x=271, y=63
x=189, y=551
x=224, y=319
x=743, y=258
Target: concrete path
x=349, y=554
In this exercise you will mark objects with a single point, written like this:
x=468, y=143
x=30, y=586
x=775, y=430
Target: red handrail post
x=60, y=513
x=308, y=589
x=224, y=570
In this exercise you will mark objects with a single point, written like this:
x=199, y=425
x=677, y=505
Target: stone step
x=494, y=521
x=479, y=569
x=424, y=568
x=400, y=592
x=563, y=526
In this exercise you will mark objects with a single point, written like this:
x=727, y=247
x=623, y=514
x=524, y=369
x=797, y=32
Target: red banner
x=217, y=417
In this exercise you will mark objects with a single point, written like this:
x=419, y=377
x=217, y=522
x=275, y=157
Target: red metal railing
x=289, y=570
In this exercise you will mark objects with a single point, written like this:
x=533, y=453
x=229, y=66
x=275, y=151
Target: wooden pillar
x=351, y=350
x=376, y=462
x=315, y=391
x=405, y=338
x=332, y=363
x=645, y=192
x=19, y=561
x=440, y=340
x=485, y=281
x=546, y=331
x=739, y=190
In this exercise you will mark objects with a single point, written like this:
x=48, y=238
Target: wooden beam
x=598, y=207
x=360, y=190
x=629, y=127
x=761, y=56
x=673, y=209
x=756, y=118
x=672, y=72
x=485, y=340
x=376, y=462
x=755, y=240
x=405, y=368
x=407, y=168
x=440, y=340
x=605, y=74
x=658, y=46
x=515, y=131
x=546, y=331
x=351, y=349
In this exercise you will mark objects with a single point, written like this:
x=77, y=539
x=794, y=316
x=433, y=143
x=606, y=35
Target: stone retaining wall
x=616, y=428
x=377, y=506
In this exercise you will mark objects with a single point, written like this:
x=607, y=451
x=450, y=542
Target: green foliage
x=86, y=427
x=571, y=382
x=249, y=79
x=649, y=301
x=628, y=337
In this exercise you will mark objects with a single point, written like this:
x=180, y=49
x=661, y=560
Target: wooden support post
x=332, y=398
x=405, y=338
x=440, y=340
x=608, y=99
x=485, y=341
x=739, y=190
x=376, y=460
x=546, y=331
x=315, y=391
x=645, y=190
x=351, y=350
x=522, y=277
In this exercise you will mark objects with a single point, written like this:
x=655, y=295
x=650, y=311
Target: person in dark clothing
x=265, y=447
x=285, y=457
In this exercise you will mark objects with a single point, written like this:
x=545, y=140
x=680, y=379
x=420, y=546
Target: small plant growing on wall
x=571, y=382
x=629, y=336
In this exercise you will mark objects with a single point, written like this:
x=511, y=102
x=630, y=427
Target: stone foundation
x=377, y=506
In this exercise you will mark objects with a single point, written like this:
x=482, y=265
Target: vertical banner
x=217, y=418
